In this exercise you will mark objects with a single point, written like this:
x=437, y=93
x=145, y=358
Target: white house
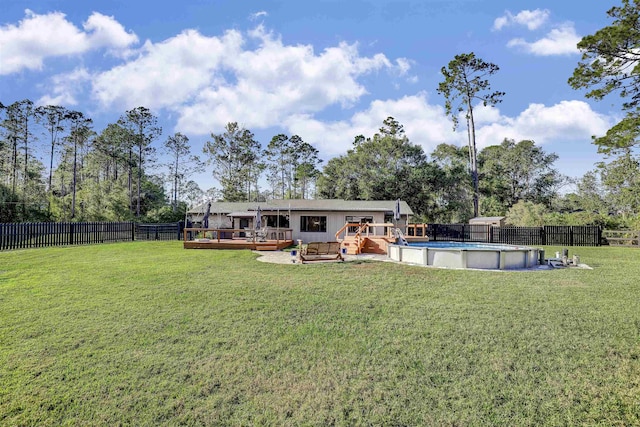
x=309, y=220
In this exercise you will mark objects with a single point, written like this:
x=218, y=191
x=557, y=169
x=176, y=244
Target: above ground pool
x=466, y=255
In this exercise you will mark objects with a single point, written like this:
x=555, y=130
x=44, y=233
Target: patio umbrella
x=205, y=220
x=258, y=218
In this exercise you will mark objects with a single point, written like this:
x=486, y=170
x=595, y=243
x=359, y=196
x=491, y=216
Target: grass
x=147, y=333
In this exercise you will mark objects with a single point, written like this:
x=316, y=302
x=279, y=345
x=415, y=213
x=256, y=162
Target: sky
x=326, y=70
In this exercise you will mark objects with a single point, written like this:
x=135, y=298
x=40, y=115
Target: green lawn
x=147, y=333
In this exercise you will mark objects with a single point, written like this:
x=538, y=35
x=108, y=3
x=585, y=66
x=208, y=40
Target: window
x=313, y=224
x=274, y=221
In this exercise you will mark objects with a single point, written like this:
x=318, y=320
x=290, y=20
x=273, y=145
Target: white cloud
x=105, y=31
x=532, y=19
x=64, y=88
x=37, y=37
x=565, y=121
x=559, y=41
x=257, y=15
x=169, y=73
x=209, y=81
x=427, y=125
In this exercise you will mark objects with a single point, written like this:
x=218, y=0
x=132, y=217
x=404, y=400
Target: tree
x=251, y=167
x=453, y=190
x=9, y=148
x=18, y=132
x=385, y=167
x=193, y=193
x=610, y=57
x=277, y=152
x=234, y=155
x=465, y=82
x=177, y=146
x=518, y=171
x=143, y=128
x=80, y=133
x=293, y=153
x=52, y=117
x=111, y=147
x=306, y=170
x=527, y=214
x=621, y=180
x=340, y=178
x=25, y=114
x=590, y=193
x=610, y=64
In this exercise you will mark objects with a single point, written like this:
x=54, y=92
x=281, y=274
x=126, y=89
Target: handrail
x=346, y=227
x=365, y=226
x=359, y=239
x=363, y=231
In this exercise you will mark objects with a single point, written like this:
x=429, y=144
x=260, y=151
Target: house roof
x=487, y=219
x=337, y=205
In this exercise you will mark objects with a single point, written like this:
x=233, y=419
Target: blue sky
x=326, y=70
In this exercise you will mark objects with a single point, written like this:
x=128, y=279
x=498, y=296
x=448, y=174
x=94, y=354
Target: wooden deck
x=231, y=239
x=359, y=238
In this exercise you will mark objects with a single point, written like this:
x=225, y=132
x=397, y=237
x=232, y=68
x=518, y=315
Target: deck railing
x=354, y=229
x=250, y=235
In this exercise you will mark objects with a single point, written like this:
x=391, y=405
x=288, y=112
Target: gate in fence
x=622, y=237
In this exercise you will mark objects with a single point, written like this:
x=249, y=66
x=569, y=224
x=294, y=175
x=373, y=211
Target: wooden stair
x=358, y=238
x=366, y=245
x=376, y=245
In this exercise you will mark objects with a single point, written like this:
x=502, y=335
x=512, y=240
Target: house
x=309, y=220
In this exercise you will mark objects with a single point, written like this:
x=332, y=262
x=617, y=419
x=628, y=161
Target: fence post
x=570, y=235
x=71, y=231
x=599, y=236
x=133, y=231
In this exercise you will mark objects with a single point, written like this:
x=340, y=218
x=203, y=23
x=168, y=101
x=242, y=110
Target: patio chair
x=261, y=234
x=249, y=234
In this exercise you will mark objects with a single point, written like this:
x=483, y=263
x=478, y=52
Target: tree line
x=114, y=174
x=54, y=166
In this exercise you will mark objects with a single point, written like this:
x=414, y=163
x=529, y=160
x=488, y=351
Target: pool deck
x=267, y=245
x=223, y=238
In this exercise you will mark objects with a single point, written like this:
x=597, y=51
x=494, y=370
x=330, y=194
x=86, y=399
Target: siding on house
x=336, y=211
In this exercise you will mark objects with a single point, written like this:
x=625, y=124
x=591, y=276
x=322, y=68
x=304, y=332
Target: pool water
x=465, y=245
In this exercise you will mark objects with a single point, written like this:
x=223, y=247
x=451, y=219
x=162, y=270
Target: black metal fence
x=34, y=235
x=566, y=235
x=171, y=231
